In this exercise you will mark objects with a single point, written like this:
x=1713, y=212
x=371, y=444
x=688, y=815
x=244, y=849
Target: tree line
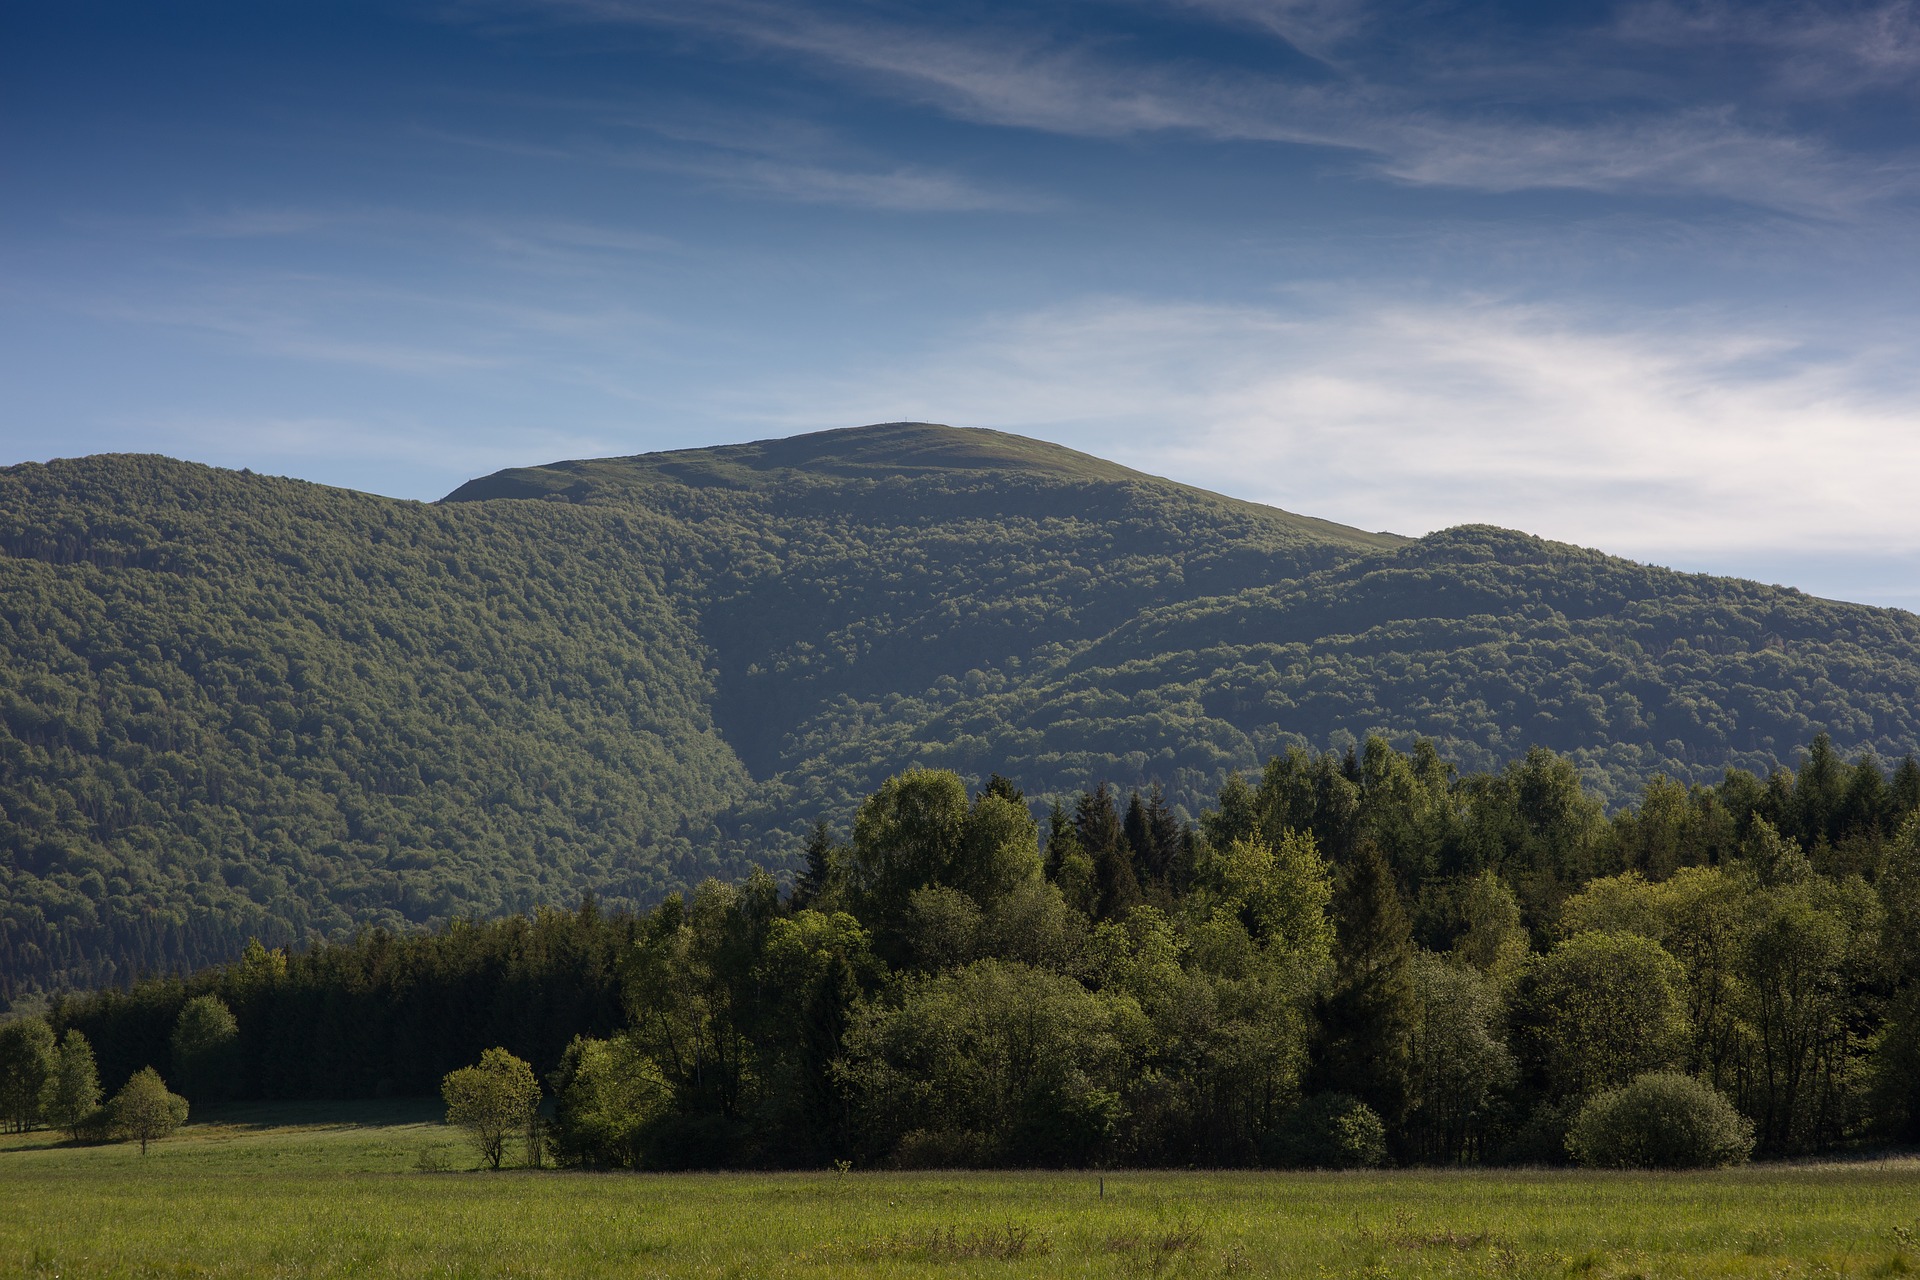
x=235, y=706
x=1357, y=957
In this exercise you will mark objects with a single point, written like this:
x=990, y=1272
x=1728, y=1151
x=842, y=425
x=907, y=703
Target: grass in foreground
x=333, y=1191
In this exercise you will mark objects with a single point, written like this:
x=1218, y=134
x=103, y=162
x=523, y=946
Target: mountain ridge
x=235, y=704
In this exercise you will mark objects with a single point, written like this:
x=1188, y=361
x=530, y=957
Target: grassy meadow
x=330, y=1190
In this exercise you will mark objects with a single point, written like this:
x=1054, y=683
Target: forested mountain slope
x=236, y=705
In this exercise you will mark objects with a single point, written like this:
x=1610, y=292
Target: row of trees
x=56, y=1082
x=1464, y=967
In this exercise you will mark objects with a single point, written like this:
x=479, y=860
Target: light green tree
x=608, y=1093
x=72, y=1092
x=1460, y=1056
x=1494, y=941
x=145, y=1110
x=1602, y=1008
x=492, y=1101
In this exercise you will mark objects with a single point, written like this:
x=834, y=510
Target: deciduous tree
x=492, y=1101
x=145, y=1110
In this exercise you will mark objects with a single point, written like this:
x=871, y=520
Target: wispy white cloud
x=1424, y=133
x=1315, y=27
x=375, y=326
x=533, y=238
x=1695, y=436
x=1819, y=49
x=763, y=172
x=275, y=331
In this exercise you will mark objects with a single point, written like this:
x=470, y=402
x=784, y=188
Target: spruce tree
x=1904, y=797
x=812, y=880
x=1818, y=793
x=1062, y=839
x=1139, y=839
x=1116, y=890
x=1165, y=838
x=1097, y=823
x=1005, y=788
x=1364, y=1045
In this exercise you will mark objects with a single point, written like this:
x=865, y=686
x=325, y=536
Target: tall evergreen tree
x=1139, y=839
x=812, y=880
x=1103, y=838
x=1819, y=793
x=1154, y=839
x=1364, y=1046
x=1904, y=792
x=1062, y=839
x=1006, y=788
x=1097, y=823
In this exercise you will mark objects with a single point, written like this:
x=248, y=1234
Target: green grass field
x=334, y=1191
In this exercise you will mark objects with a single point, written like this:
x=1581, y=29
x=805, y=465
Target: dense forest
x=1456, y=962
x=235, y=706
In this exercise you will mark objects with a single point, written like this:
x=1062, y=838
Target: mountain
x=235, y=705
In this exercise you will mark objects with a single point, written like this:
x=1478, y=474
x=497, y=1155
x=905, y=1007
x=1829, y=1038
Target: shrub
x=1330, y=1131
x=1663, y=1120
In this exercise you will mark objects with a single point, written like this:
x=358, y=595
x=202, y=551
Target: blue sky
x=1640, y=276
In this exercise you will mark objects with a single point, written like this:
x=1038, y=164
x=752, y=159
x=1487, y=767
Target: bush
x=1330, y=1131
x=1663, y=1120
x=610, y=1093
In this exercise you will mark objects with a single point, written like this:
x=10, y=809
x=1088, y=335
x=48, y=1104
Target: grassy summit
x=235, y=704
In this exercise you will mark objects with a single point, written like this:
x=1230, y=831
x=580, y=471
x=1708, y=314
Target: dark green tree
x=206, y=1049
x=817, y=871
x=1364, y=1046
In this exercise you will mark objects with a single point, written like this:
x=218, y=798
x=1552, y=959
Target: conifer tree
x=1139, y=838
x=1364, y=1046
x=1062, y=839
x=1904, y=792
x=812, y=881
x=1005, y=788
x=1097, y=823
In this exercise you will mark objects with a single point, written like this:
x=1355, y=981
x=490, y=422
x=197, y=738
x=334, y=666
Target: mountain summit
x=236, y=705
